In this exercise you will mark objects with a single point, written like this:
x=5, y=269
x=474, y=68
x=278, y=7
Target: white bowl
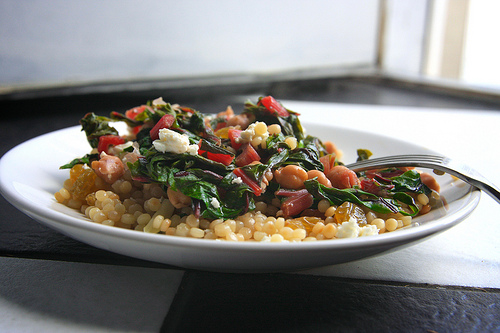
x=30, y=175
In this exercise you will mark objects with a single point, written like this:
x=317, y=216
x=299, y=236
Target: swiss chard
x=87, y=159
x=365, y=199
x=257, y=171
x=219, y=197
x=307, y=157
x=95, y=127
x=409, y=182
x=290, y=125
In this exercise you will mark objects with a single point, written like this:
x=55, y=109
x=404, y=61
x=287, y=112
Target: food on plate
x=252, y=176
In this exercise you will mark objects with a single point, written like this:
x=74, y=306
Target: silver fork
x=435, y=162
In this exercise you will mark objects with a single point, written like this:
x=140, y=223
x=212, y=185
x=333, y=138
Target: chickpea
x=109, y=168
x=342, y=177
x=291, y=176
x=321, y=177
x=330, y=147
x=268, y=176
x=178, y=199
x=430, y=181
x=425, y=209
x=241, y=120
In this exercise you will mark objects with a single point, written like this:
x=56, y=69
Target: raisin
x=348, y=210
x=303, y=222
x=84, y=184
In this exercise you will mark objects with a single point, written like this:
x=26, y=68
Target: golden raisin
x=303, y=222
x=348, y=210
x=75, y=171
x=222, y=133
x=84, y=184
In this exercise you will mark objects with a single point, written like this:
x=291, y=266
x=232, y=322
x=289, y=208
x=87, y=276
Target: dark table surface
x=250, y=302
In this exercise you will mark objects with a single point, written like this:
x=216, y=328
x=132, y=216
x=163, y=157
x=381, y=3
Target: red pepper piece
x=273, y=106
x=109, y=140
x=220, y=125
x=134, y=112
x=216, y=155
x=221, y=158
x=165, y=122
x=247, y=156
x=257, y=190
x=233, y=135
x=225, y=159
x=136, y=129
x=186, y=109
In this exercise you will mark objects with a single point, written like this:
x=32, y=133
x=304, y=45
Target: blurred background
x=96, y=43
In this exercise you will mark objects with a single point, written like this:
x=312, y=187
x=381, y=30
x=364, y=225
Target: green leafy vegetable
x=365, y=199
x=307, y=157
x=409, y=182
x=95, y=127
x=290, y=125
x=87, y=159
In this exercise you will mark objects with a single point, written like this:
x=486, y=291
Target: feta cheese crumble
x=119, y=149
x=159, y=101
x=173, y=142
x=215, y=203
x=351, y=229
x=237, y=180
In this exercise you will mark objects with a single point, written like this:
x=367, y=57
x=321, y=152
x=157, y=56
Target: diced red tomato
x=247, y=156
x=234, y=134
x=109, y=140
x=274, y=106
x=257, y=190
x=165, y=122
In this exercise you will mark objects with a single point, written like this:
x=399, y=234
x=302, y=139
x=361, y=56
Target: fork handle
x=473, y=177
x=491, y=190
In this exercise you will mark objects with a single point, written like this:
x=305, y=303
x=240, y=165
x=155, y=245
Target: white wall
x=447, y=41
x=404, y=36
x=57, y=41
x=482, y=48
